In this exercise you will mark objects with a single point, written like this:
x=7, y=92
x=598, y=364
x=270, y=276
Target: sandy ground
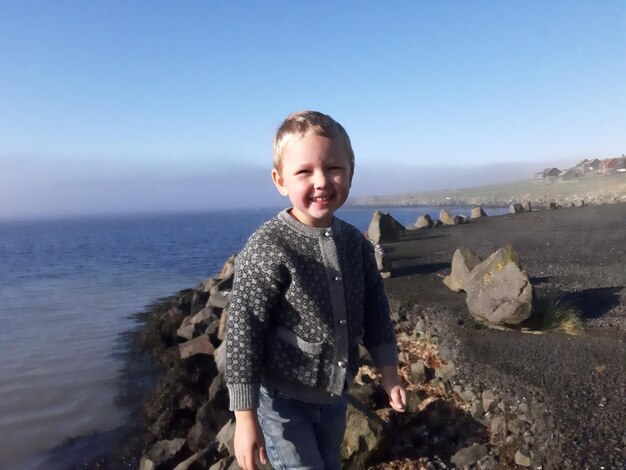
x=577, y=253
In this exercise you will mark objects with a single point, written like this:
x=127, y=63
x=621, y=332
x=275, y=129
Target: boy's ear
x=279, y=182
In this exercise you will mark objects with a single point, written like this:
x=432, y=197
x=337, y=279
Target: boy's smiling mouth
x=321, y=198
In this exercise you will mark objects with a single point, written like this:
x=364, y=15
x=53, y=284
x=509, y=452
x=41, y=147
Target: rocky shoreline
x=478, y=398
x=450, y=422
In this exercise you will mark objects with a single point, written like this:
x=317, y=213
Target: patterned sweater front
x=303, y=299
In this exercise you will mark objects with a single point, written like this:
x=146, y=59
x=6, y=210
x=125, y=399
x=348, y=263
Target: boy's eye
x=302, y=172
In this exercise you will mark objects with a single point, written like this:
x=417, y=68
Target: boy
x=306, y=292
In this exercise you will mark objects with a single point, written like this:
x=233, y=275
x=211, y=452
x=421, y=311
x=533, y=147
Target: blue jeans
x=300, y=435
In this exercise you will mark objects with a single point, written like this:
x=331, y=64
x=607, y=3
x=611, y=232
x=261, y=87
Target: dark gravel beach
x=579, y=382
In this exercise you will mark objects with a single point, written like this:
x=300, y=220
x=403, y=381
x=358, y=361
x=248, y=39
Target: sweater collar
x=314, y=232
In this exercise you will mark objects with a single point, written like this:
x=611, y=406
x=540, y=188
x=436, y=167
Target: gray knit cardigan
x=303, y=299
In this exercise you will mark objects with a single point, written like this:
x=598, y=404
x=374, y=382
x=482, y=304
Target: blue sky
x=124, y=106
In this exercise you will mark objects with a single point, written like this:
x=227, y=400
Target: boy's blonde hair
x=302, y=123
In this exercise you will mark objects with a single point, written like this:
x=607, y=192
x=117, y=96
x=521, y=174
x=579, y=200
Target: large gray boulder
x=516, y=208
x=448, y=219
x=463, y=261
x=424, y=221
x=498, y=290
x=384, y=229
x=477, y=213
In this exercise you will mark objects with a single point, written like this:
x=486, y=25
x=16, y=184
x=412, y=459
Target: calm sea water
x=68, y=289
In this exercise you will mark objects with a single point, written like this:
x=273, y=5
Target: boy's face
x=316, y=175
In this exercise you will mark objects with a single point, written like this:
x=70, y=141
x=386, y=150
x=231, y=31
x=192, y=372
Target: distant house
x=548, y=173
x=591, y=166
x=551, y=172
x=608, y=165
x=570, y=174
x=612, y=165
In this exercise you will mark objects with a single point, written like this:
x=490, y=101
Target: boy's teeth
x=318, y=199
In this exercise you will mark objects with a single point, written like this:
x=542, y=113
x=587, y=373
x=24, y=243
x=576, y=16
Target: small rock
x=522, y=459
x=413, y=402
x=522, y=408
x=146, y=464
x=208, y=284
x=188, y=402
x=476, y=410
x=418, y=372
x=498, y=428
x=163, y=452
x=225, y=439
x=469, y=455
x=228, y=269
x=446, y=372
x=221, y=332
x=217, y=385
x=219, y=355
x=467, y=396
x=185, y=464
x=515, y=426
x=487, y=463
x=222, y=464
x=219, y=299
x=489, y=401
x=212, y=329
x=444, y=353
x=200, y=345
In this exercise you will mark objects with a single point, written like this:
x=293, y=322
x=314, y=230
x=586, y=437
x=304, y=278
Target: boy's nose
x=320, y=179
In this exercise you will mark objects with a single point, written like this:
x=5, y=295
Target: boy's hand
x=248, y=439
x=397, y=398
x=393, y=387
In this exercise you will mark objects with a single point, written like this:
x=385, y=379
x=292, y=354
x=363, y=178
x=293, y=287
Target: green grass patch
x=555, y=314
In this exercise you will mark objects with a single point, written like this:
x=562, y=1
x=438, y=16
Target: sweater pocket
x=295, y=359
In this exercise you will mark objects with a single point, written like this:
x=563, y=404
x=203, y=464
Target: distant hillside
x=592, y=189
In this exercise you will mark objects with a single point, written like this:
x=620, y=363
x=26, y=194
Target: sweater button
x=342, y=364
x=338, y=278
x=342, y=321
x=328, y=234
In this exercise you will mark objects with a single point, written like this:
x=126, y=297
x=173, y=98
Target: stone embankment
x=450, y=422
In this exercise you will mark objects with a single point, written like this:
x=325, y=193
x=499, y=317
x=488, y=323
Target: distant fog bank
x=51, y=191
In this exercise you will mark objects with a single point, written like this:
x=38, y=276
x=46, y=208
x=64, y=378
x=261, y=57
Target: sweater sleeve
x=256, y=290
x=379, y=337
